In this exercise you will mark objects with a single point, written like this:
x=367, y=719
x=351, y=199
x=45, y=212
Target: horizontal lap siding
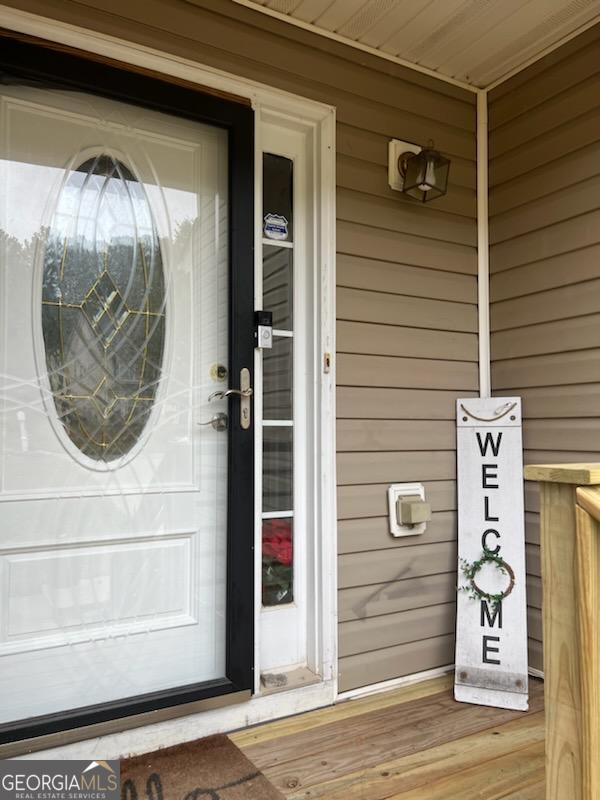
x=407, y=320
x=407, y=348
x=545, y=267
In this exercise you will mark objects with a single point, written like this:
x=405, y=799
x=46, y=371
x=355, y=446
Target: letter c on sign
x=490, y=532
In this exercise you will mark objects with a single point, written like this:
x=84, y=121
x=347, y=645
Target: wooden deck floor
x=414, y=743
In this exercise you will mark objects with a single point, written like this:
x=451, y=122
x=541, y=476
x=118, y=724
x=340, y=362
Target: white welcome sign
x=491, y=624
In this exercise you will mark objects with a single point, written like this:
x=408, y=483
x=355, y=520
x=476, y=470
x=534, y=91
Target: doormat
x=207, y=769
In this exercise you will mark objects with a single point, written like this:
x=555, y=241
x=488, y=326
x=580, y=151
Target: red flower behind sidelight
x=277, y=540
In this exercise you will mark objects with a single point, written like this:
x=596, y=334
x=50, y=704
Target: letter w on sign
x=491, y=617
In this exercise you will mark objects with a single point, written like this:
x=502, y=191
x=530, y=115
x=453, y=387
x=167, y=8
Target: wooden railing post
x=570, y=540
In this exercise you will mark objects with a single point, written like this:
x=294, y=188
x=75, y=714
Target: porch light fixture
x=421, y=173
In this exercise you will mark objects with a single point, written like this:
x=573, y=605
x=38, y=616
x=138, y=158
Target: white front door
x=115, y=321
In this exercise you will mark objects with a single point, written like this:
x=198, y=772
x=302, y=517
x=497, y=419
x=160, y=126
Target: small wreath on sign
x=471, y=569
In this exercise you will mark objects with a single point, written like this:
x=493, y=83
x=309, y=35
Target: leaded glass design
x=103, y=308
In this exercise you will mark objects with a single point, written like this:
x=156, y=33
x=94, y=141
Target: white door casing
x=155, y=518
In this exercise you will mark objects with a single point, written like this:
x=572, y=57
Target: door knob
x=220, y=422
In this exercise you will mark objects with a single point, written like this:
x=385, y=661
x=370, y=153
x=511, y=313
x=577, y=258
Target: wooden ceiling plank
x=338, y=14
x=368, y=16
x=537, y=24
x=468, y=40
x=461, y=30
x=439, y=15
x=283, y=6
x=310, y=10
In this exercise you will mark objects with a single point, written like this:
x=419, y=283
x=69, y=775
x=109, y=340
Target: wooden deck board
x=415, y=742
x=426, y=766
x=491, y=780
x=418, y=728
x=345, y=710
x=533, y=792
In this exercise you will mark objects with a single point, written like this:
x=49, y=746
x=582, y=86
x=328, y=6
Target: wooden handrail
x=588, y=497
x=576, y=474
x=570, y=540
x=587, y=599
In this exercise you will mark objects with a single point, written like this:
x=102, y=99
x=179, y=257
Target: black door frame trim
x=23, y=62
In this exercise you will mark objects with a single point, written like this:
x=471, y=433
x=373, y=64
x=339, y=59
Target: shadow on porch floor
x=413, y=743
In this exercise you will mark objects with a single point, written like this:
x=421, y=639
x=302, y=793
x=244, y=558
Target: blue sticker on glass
x=275, y=227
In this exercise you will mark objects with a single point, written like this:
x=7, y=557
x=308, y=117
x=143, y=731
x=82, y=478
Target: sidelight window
x=278, y=372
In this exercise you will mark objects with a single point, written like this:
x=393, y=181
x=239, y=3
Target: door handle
x=220, y=422
x=222, y=393
x=244, y=393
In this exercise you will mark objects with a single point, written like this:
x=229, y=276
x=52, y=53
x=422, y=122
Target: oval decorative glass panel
x=103, y=308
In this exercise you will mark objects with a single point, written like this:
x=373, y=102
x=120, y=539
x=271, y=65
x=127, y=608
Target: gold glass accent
x=103, y=308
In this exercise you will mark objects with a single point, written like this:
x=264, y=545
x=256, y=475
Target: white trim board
x=483, y=247
x=395, y=683
x=536, y=673
x=160, y=61
x=409, y=680
x=321, y=118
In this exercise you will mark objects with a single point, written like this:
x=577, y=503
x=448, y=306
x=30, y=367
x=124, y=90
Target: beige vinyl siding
x=407, y=314
x=545, y=266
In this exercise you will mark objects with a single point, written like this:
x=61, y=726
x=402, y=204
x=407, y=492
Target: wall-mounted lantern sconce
x=419, y=172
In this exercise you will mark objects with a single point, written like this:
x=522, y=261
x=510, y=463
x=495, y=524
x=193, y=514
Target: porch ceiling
x=472, y=41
